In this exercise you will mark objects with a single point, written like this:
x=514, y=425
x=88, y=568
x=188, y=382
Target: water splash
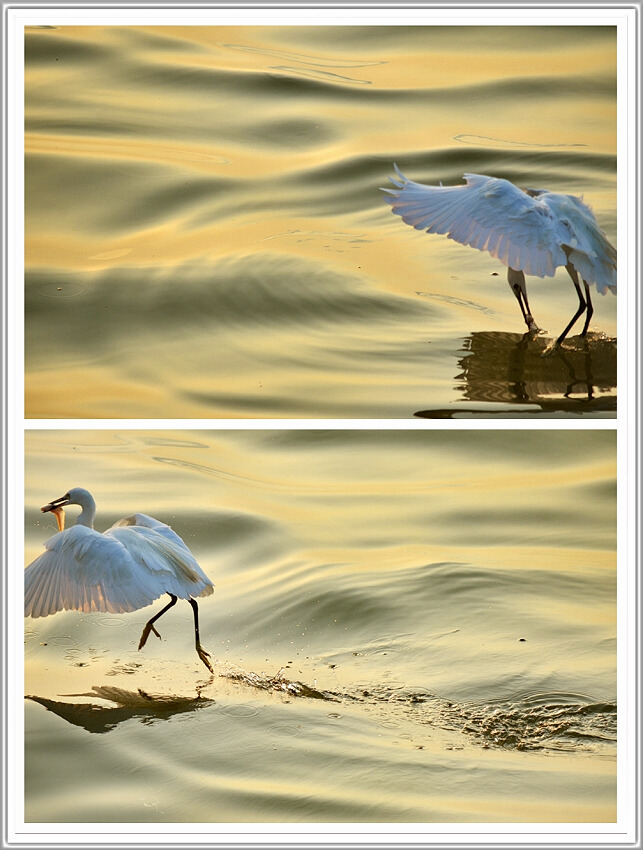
x=561, y=722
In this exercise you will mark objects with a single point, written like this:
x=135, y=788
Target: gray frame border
x=6, y=492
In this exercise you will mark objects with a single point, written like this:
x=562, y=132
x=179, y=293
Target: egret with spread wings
x=531, y=232
x=127, y=567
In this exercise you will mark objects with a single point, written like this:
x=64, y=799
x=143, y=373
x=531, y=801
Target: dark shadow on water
x=512, y=370
x=149, y=708
x=129, y=705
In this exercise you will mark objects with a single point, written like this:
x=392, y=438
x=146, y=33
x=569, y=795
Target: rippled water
x=206, y=235
x=408, y=626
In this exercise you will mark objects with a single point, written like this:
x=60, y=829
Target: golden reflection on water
x=200, y=157
x=50, y=395
x=270, y=147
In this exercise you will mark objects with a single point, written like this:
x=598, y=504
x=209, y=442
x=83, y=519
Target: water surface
x=206, y=236
x=407, y=627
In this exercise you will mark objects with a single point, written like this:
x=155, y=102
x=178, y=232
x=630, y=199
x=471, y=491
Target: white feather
x=534, y=235
x=134, y=562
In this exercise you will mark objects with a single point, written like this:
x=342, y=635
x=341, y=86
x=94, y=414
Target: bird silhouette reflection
x=148, y=708
x=129, y=705
x=509, y=369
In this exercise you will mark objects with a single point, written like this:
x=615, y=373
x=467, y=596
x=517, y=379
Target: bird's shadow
x=512, y=369
x=148, y=708
x=128, y=705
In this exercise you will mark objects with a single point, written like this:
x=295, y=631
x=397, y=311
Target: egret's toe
x=146, y=633
x=204, y=656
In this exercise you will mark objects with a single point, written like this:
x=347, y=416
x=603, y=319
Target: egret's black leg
x=590, y=309
x=149, y=626
x=582, y=304
x=203, y=655
x=523, y=308
x=519, y=288
x=529, y=318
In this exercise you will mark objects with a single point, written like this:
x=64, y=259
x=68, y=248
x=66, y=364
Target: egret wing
x=83, y=570
x=487, y=213
x=589, y=249
x=156, y=548
x=142, y=520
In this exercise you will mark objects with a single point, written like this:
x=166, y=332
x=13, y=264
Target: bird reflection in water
x=505, y=368
x=148, y=708
x=128, y=705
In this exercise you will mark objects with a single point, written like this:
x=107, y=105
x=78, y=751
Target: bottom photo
x=320, y=626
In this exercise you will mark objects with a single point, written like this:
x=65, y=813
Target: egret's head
x=75, y=496
x=56, y=508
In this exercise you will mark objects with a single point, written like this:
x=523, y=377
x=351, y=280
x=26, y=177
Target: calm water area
x=407, y=627
x=206, y=236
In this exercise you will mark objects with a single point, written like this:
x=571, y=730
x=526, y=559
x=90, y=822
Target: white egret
x=531, y=231
x=126, y=568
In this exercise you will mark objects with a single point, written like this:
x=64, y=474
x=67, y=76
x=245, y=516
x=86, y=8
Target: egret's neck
x=88, y=512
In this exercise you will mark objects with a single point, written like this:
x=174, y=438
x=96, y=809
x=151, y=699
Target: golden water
x=206, y=236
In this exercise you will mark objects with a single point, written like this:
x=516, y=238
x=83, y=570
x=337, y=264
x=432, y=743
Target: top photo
x=320, y=222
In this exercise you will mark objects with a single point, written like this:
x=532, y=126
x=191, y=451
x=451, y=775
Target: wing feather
x=83, y=570
x=487, y=213
x=590, y=251
x=129, y=566
x=165, y=555
x=144, y=521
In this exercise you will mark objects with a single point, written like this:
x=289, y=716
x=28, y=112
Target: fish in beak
x=56, y=509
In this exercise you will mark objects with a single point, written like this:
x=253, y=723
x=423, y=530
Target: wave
x=262, y=291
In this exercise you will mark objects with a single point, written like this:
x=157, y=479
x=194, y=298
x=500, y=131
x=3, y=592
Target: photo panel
x=406, y=627
x=206, y=234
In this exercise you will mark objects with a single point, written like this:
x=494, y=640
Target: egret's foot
x=204, y=656
x=146, y=633
x=551, y=348
x=532, y=327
